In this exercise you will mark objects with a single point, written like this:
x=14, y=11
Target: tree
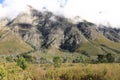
x=101, y=58
x=22, y=63
x=57, y=61
x=110, y=58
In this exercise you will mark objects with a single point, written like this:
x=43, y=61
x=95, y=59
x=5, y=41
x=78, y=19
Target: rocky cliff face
x=72, y=39
x=110, y=33
x=45, y=30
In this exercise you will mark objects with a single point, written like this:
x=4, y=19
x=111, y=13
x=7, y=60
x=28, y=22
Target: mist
x=97, y=11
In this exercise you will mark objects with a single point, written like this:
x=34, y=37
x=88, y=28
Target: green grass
x=10, y=43
x=12, y=47
x=89, y=49
x=100, y=45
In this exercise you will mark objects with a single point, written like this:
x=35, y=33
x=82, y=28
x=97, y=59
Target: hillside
x=56, y=34
x=11, y=43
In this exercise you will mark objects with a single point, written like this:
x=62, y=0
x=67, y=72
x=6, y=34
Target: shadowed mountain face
x=44, y=30
x=110, y=33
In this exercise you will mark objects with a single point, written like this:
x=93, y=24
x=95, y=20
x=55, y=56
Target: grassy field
x=11, y=43
x=68, y=71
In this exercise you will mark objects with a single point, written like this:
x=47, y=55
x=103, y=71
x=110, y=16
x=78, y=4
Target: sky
x=1, y=1
x=97, y=11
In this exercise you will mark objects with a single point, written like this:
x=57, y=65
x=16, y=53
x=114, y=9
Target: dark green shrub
x=27, y=57
x=106, y=58
x=78, y=60
x=57, y=61
x=101, y=58
x=22, y=63
x=110, y=58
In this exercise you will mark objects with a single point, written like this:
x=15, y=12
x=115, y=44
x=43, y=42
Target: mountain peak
x=45, y=30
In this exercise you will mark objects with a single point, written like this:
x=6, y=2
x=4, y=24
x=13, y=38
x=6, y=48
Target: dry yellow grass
x=67, y=71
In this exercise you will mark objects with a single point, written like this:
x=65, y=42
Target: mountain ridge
x=44, y=30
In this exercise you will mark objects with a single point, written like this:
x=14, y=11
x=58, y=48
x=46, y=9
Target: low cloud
x=98, y=11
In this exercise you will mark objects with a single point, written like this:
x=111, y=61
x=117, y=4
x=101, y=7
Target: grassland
x=68, y=71
x=100, y=45
x=10, y=43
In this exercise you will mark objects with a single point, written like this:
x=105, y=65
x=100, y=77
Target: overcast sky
x=97, y=11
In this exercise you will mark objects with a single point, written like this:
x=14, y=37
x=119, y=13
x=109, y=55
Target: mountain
x=110, y=33
x=11, y=43
x=56, y=34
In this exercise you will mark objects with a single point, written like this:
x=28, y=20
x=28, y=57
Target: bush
x=43, y=60
x=9, y=59
x=57, y=61
x=110, y=58
x=27, y=57
x=22, y=63
x=106, y=58
x=3, y=73
x=101, y=58
x=64, y=60
x=78, y=60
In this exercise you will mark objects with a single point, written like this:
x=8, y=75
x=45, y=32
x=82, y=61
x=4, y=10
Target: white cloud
x=99, y=11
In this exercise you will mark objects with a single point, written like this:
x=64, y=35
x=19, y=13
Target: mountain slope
x=10, y=43
x=56, y=34
x=97, y=39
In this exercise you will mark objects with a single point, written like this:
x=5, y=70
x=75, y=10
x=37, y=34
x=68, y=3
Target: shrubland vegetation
x=29, y=67
x=22, y=63
x=57, y=61
x=67, y=71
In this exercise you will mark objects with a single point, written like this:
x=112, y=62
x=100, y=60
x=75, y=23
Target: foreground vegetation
x=67, y=71
x=59, y=67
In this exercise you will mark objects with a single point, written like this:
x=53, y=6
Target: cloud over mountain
x=98, y=11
